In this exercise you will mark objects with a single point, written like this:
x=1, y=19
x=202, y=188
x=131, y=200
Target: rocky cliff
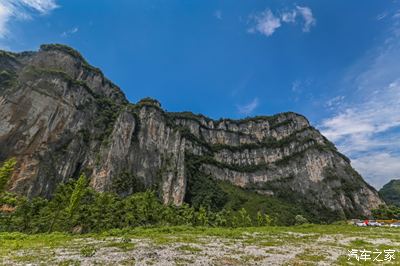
x=59, y=116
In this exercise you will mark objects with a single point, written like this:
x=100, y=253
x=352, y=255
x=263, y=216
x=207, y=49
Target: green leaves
x=77, y=194
x=6, y=171
x=75, y=207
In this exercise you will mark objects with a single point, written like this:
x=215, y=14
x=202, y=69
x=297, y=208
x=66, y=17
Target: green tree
x=244, y=218
x=185, y=214
x=221, y=218
x=56, y=210
x=202, y=218
x=77, y=194
x=260, y=219
x=299, y=219
x=268, y=219
x=6, y=171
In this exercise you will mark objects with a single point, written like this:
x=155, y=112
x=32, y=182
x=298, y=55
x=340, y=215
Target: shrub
x=300, y=220
x=6, y=171
x=88, y=251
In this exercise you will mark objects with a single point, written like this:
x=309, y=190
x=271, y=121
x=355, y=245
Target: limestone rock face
x=60, y=117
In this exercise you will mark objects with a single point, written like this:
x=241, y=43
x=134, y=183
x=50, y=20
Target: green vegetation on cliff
x=391, y=192
x=5, y=173
x=216, y=195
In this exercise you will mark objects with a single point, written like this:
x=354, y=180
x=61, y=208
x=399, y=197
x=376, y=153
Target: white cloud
x=22, y=9
x=358, y=128
x=308, y=17
x=379, y=165
x=289, y=16
x=41, y=6
x=248, y=108
x=335, y=101
x=267, y=23
x=5, y=14
x=366, y=124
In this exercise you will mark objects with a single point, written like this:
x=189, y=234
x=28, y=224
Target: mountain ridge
x=60, y=116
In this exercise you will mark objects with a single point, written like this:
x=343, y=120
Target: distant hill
x=391, y=192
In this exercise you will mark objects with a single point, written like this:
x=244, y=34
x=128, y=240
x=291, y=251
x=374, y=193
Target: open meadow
x=295, y=245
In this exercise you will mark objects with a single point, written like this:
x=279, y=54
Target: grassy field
x=296, y=245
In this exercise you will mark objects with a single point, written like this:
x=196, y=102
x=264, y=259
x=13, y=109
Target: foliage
x=7, y=54
x=77, y=194
x=215, y=195
x=386, y=212
x=88, y=251
x=108, y=114
x=278, y=211
x=127, y=183
x=63, y=48
x=189, y=116
x=202, y=190
x=77, y=208
x=5, y=172
x=391, y=192
x=7, y=79
x=149, y=101
x=300, y=220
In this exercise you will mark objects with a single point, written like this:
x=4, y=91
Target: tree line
x=76, y=207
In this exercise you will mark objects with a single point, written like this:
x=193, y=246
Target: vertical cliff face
x=59, y=117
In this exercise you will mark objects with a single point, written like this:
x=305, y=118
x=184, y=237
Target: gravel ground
x=249, y=249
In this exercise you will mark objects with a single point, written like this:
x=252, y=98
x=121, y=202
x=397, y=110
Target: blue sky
x=337, y=62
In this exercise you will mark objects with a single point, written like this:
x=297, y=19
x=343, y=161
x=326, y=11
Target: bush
x=6, y=171
x=88, y=251
x=300, y=220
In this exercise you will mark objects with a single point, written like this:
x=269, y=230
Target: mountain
x=59, y=117
x=390, y=192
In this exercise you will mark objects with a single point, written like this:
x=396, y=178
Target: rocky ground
x=303, y=245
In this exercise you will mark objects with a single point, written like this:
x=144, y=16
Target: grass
x=123, y=246
x=310, y=256
x=190, y=249
x=69, y=263
x=88, y=251
x=307, y=244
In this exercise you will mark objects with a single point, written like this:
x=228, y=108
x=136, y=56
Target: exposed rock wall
x=59, y=117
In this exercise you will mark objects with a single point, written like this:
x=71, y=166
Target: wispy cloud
x=247, y=109
x=22, y=9
x=296, y=86
x=378, y=165
x=308, y=17
x=70, y=32
x=5, y=14
x=335, y=102
x=364, y=120
x=266, y=22
x=366, y=125
x=289, y=17
x=381, y=16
